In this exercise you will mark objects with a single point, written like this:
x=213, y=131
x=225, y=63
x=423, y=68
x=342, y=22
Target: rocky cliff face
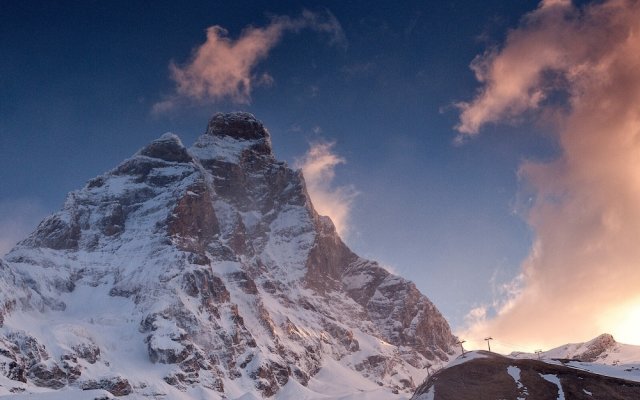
x=204, y=269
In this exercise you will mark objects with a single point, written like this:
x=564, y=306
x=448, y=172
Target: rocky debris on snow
x=118, y=386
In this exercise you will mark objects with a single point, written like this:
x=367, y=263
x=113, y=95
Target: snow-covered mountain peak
x=183, y=270
x=604, y=340
x=233, y=138
x=601, y=349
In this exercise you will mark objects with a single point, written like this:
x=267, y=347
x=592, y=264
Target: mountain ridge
x=204, y=269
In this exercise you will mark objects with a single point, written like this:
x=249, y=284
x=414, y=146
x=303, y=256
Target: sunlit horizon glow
x=624, y=323
x=583, y=268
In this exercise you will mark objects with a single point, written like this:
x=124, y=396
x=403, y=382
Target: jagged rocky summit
x=204, y=270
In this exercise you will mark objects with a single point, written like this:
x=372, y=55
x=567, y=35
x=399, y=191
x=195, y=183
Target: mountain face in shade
x=205, y=272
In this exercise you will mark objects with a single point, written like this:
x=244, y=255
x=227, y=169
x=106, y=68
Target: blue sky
x=79, y=81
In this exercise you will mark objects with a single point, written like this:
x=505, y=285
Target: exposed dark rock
x=376, y=364
x=190, y=285
x=69, y=364
x=5, y=308
x=237, y=241
x=407, y=384
x=123, y=292
x=46, y=375
x=198, y=259
x=64, y=285
x=416, y=321
x=328, y=258
x=30, y=350
x=56, y=233
x=270, y=287
x=265, y=318
x=342, y=336
x=208, y=287
x=243, y=280
x=117, y=385
x=301, y=376
x=270, y=377
x=167, y=148
x=193, y=222
x=16, y=372
x=114, y=220
x=158, y=353
x=87, y=351
x=181, y=380
x=596, y=348
x=95, y=182
x=139, y=167
x=238, y=125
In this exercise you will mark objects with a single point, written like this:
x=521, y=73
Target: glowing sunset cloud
x=318, y=167
x=582, y=276
x=222, y=68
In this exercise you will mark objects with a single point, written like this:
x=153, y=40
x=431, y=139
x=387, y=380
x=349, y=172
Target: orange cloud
x=582, y=275
x=223, y=68
x=318, y=167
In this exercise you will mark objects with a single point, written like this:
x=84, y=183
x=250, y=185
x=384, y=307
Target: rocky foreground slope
x=204, y=272
x=489, y=376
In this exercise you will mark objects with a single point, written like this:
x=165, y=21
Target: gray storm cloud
x=582, y=276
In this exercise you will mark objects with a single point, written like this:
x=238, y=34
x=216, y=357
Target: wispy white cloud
x=318, y=167
x=581, y=66
x=18, y=218
x=224, y=68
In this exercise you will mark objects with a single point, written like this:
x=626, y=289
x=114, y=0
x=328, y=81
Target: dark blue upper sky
x=78, y=81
